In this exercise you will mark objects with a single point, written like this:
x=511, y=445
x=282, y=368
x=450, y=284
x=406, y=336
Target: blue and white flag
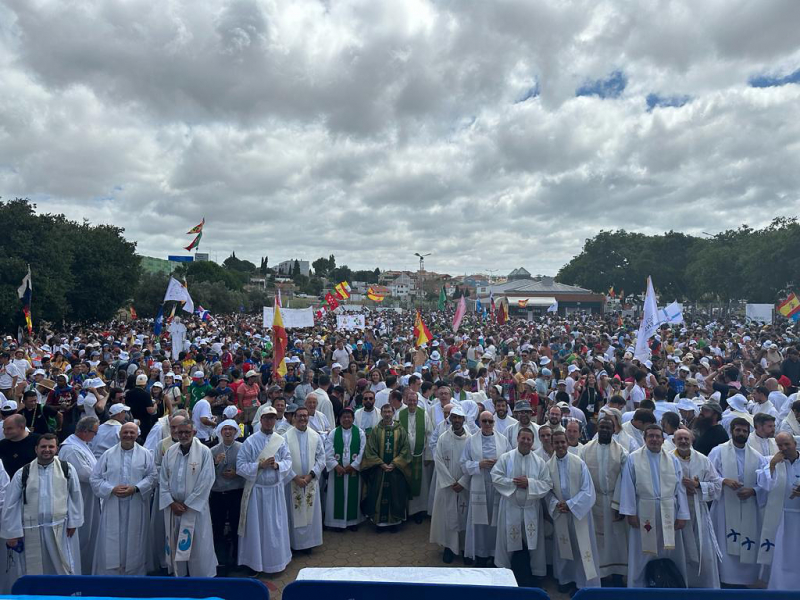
x=553, y=307
x=159, y=321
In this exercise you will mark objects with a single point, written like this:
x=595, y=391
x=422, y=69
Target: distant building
x=529, y=296
x=287, y=267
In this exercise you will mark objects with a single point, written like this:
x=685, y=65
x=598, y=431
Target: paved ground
x=366, y=548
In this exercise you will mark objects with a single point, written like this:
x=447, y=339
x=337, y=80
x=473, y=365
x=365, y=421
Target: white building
x=287, y=266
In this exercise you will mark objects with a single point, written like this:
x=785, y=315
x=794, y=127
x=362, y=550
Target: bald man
x=781, y=525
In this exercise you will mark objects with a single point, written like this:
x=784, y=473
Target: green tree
x=296, y=268
x=211, y=272
x=241, y=266
x=149, y=293
x=79, y=272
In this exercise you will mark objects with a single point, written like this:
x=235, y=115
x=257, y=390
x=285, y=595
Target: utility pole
x=421, y=292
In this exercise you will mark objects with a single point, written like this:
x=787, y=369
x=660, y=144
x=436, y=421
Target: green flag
x=442, y=299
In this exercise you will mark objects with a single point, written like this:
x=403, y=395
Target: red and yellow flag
x=523, y=302
x=342, y=290
x=374, y=296
x=197, y=228
x=333, y=303
x=502, y=312
x=195, y=242
x=422, y=335
x=279, y=344
x=790, y=308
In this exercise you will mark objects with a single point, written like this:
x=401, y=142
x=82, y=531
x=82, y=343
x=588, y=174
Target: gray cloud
x=372, y=130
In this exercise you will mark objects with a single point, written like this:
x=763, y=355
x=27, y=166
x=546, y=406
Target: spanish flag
x=611, y=292
x=523, y=302
x=374, y=296
x=790, y=308
x=343, y=290
x=422, y=335
x=279, y=344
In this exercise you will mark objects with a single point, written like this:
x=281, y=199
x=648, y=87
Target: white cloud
x=374, y=129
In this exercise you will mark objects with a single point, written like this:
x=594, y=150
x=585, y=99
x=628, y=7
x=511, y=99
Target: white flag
x=649, y=324
x=553, y=307
x=178, y=292
x=671, y=315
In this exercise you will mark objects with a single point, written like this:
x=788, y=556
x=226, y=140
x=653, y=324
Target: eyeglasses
x=487, y=421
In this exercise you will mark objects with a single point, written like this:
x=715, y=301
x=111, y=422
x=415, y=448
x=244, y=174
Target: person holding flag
x=24, y=293
x=281, y=342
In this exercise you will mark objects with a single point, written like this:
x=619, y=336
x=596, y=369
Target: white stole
x=792, y=421
x=516, y=468
x=302, y=498
x=179, y=547
x=477, y=490
x=773, y=514
x=741, y=516
x=59, y=507
x=604, y=482
x=561, y=520
x=648, y=527
x=268, y=451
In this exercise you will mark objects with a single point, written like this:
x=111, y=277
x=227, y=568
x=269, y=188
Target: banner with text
x=350, y=322
x=293, y=318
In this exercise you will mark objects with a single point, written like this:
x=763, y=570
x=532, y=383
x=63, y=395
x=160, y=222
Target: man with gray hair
x=76, y=451
x=123, y=477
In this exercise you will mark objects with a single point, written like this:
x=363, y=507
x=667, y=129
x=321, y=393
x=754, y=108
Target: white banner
x=759, y=313
x=293, y=318
x=350, y=322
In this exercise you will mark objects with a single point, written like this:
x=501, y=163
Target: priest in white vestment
x=77, y=452
x=451, y=499
x=177, y=333
x=317, y=420
x=12, y=571
x=45, y=514
x=502, y=420
x=605, y=458
x=762, y=439
x=123, y=479
x=735, y=513
x=522, y=479
x=703, y=485
x=344, y=449
x=303, y=490
x=570, y=505
x=481, y=453
x=185, y=480
x=266, y=465
x=654, y=502
x=781, y=527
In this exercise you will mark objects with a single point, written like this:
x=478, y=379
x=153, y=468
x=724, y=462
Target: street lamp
x=421, y=293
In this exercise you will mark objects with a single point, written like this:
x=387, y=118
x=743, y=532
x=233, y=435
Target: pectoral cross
x=462, y=507
x=194, y=466
x=388, y=445
x=447, y=460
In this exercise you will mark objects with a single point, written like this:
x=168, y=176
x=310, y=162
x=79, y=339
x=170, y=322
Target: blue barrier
x=227, y=588
x=369, y=590
x=672, y=593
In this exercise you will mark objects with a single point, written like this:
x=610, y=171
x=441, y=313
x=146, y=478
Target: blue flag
x=159, y=321
x=478, y=305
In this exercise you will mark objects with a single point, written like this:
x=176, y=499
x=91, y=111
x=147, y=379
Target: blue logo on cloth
x=185, y=543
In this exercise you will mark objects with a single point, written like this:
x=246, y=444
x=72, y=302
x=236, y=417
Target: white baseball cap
x=117, y=408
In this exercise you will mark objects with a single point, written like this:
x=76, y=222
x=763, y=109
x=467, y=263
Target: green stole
x=384, y=504
x=352, y=480
x=416, y=452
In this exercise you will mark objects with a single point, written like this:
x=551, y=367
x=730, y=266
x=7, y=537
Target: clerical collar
x=43, y=466
x=186, y=450
x=561, y=458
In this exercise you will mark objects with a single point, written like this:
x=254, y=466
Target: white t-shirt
x=7, y=375
x=200, y=410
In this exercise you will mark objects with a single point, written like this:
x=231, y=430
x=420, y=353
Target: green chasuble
x=417, y=451
x=386, y=494
x=352, y=480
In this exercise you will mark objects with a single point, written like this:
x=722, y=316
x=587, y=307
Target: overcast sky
x=491, y=133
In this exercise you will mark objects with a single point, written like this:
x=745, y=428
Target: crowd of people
x=542, y=446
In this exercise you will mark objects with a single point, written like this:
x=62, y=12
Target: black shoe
x=564, y=588
x=353, y=528
x=447, y=556
x=419, y=518
x=468, y=562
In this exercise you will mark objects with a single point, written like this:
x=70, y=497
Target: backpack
x=663, y=573
x=26, y=471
